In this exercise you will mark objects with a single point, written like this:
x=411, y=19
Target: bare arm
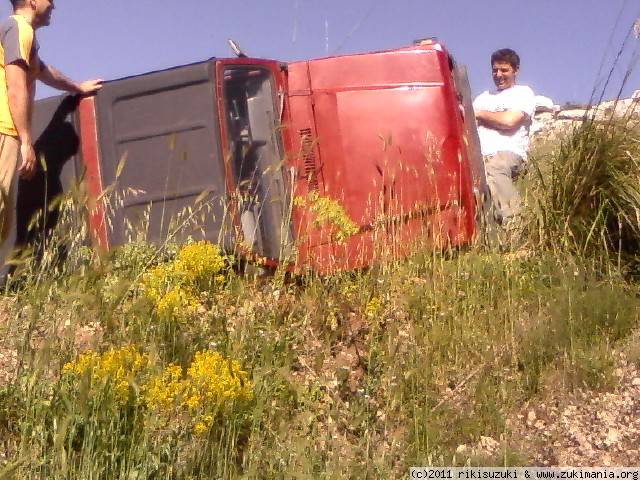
x=19, y=102
x=509, y=120
x=53, y=77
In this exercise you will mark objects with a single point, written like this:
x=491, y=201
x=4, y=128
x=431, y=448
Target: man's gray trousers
x=502, y=169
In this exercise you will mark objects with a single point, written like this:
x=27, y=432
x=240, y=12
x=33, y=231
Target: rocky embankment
x=581, y=428
x=551, y=120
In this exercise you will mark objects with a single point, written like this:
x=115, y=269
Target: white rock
x=576, y=114
x=586, y=450
x=636, y=382
x=549, y=124
x=613, y=436
x=544, y=104
x=579, y=438
x=489, y=444
x=544, y=116
x=536, y=127
x=531, y=417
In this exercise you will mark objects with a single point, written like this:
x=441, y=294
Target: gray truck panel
x=160, y=151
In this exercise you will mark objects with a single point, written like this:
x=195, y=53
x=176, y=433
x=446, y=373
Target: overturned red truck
x=328, y=164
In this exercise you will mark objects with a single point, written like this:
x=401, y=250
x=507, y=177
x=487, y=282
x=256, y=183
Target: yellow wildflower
x=163, y=391
x=329, y=212
x=217, y=379
x=115, y=368
x=200, y=428
x=373, y=308
x=175, y=288
x=350, y=290
x=84, y=363
x=211, y=382
x=200, y=262
x=179, y=303
x=157, y=281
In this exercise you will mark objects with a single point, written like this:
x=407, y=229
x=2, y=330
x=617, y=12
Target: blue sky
x=563, y=43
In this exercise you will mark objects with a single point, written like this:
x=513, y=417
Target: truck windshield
x=256, y=155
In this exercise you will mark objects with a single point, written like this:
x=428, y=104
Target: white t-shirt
x=519, y=98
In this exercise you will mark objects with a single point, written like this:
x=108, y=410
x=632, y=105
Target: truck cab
x=247, y=153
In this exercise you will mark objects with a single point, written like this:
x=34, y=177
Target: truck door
x=251, y=102
x=153, y=142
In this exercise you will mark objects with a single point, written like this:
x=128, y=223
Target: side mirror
x=236, y=48
x=425, y=41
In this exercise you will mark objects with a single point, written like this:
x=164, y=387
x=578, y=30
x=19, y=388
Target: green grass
x=453, y=347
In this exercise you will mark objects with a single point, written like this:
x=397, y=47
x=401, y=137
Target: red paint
x=91, y=160
x=388, y=140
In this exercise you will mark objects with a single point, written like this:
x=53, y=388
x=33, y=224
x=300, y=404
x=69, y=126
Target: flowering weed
x=175, y=288
x=330, y=213
x=212, y=385
x=116, y=369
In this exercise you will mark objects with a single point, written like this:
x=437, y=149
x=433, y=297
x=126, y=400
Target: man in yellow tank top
x=20, y=67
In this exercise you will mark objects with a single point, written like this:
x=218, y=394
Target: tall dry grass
x=583, y=193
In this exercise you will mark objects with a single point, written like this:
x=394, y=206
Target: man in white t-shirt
x=504, y=118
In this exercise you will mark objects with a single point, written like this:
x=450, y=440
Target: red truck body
x=257, y=149
x=388, y=139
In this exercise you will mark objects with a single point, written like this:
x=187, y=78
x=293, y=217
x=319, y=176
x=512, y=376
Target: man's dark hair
x=16, y=3
x=506, y=55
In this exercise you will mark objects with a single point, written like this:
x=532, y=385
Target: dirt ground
x=589, y=429
x=583, y=428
